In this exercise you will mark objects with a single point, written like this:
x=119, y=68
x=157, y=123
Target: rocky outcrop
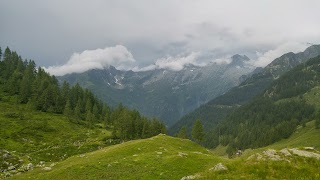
x=219, y=167
x=285, y=154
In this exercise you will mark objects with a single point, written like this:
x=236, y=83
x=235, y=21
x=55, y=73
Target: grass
x=160, y=157
x=165, y=157
x=81, y=153
x=34, y=136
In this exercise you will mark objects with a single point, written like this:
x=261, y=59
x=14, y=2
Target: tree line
x=40, y=91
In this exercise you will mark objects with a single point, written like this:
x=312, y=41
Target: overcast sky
x=76, y=35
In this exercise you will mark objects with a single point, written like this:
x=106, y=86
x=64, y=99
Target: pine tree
x=77, y=111
x=197, y=131
x=68, y=110
x=183, y=133
x=89, y=119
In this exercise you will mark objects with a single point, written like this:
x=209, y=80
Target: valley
x=164, y=93
x=162, y=89
x=59, y=131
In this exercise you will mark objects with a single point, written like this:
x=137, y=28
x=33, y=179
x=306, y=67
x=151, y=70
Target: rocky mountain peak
x=239, y=60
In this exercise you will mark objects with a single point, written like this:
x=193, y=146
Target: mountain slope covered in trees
x=217, y=109
x=273, y=115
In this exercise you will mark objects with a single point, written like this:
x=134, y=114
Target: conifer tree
x=68, y=111
x=183, y=133
x=77, y=111
x=197, y=131
x=89, y=119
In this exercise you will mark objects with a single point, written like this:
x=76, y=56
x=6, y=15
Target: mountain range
x=164, y=93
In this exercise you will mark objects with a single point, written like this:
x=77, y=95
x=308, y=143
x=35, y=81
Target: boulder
x=219, y=167
x=47, y=168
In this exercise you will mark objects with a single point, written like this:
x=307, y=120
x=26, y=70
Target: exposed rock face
x=284, y=154
x=304, y=153
x=219, y=167
x=272, y=155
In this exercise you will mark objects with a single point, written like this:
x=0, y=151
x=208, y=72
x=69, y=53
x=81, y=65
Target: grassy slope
x=153, y=158
x=158, y=158
x=44, y=136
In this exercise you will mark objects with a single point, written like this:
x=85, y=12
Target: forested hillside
x=217, y=109
x=40, y=91
x=42, y=120
x=273, y=115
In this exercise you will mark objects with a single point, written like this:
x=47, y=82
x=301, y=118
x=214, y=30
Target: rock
x=191, y=177
x=285, y=152
x=135, y=155
x=308, y=148
x=260, y=157
x=6, y=155
x=158, y=152
x=305, y=153
x=82, y=155
x=29, y=167
x=272, y=155
x=53, y=164
x=47, y=168
x=219, y=167
x=7, y=174
x=14, y=172
x=181, y=154
x=11, y=168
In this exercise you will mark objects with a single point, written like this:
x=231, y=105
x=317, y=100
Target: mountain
x=217, y=109
x=163, y=93
x=274, y=114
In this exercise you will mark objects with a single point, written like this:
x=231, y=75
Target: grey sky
x=50, y=32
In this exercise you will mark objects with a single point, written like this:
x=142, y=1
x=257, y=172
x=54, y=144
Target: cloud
x=174, y=63
x=172, y=28
x=222, y=61
x=267, y=57
x=117, y=56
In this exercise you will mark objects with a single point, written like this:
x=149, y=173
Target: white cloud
x=222, y=61
x=117, y=56
x=176, y=63
x=267, y=57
